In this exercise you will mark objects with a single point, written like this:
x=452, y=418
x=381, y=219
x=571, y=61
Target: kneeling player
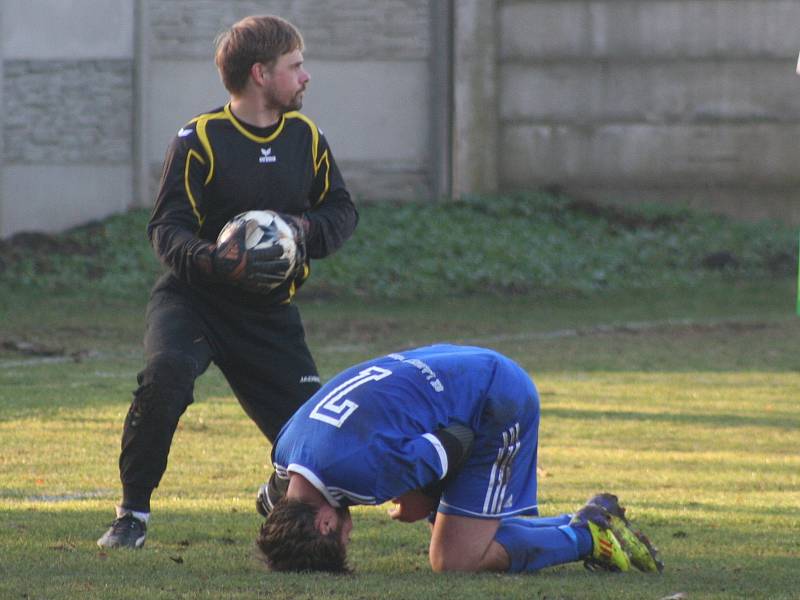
x=447, y=432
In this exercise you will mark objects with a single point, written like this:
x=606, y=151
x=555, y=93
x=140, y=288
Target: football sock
x=557, y=521
x=534, y=544
x=144, y=517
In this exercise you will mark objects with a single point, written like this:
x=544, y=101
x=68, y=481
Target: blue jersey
x=366, y=436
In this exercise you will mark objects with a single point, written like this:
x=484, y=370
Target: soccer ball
x=264, y=229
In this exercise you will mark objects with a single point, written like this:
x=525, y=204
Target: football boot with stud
x=125, y=532
x=643, y=554
x=607, y=553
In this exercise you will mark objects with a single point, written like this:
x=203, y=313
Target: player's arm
x=333, y=216
x=456, y=439
x=429, y=462
x=178, y=212
x=412, y=506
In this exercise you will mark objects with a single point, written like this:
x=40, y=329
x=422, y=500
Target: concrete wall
x=67, y=107
x=625, y=100
x=691, y=101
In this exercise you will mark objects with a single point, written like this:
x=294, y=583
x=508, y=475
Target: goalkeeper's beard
x=284, y=106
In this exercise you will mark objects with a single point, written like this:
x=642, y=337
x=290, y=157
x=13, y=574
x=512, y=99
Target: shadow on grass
x=788, y=421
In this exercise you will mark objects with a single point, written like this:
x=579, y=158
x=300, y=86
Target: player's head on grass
x=256, y=39
x=299, y=536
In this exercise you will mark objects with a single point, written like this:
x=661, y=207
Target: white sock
x=144, y=517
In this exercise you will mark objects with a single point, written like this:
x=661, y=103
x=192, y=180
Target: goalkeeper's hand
x=300, y=227
x=258, y=270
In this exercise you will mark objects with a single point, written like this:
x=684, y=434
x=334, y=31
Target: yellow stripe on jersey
x=248, y=134
x=314, y=151
x=314, y=134
x=196, y=155
x=201, y=123
x=324, y=158
x=202, y=134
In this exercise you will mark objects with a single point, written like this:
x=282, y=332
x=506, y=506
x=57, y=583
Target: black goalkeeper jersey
x=218, y=167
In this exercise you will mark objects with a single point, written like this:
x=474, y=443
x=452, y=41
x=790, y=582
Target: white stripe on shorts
x=506, y=474
x=505, y=469
x=501, y=471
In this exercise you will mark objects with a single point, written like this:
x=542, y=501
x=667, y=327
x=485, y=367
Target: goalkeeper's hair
x=289, y=541
x=255, y=39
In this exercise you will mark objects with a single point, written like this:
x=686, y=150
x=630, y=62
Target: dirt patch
x=677, y=328
x=30, y=348
x=42, y=247
x=622, y=217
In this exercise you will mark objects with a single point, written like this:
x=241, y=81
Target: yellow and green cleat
x=607, y=553
x=642, y=553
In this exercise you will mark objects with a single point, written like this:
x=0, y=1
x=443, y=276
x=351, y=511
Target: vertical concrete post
x=476, y=121
x=3, y=199
x=141, y=101
x=441, y=89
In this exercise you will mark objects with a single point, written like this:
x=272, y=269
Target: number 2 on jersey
x=334, y=408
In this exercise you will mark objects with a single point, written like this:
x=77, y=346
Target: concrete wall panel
x=596, y=91
x=650, y=155
x=382, y=180
x=334, y=29
x=632, y=29
x=371, y=110
x=60, y=112
x=179, y=90
x=55, y=197
x=531, y=30
x=78, y=29
x=687, y=97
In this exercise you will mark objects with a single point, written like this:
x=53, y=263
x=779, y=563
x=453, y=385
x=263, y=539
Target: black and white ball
x=264, y=229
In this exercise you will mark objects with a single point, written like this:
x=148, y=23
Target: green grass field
x=664, y=344
x=682, y=401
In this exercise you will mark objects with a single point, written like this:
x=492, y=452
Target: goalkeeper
x=450, y=433
x=221, y=303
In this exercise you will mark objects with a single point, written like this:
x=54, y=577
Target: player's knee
x=165, y=387
x=443, y=560
x=437, y=562
x=169, y=370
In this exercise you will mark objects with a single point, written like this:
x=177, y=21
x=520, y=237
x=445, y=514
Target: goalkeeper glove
x=259, y=270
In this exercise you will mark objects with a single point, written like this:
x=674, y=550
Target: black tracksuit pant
x=263, y=355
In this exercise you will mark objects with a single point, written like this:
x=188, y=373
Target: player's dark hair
x=255, y=39
x=290, y=542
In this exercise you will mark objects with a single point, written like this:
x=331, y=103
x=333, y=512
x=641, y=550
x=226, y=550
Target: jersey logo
x=334, y=408
x=267, y=156
x=182, y=132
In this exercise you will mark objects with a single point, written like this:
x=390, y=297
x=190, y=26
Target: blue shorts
x=499, y=478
